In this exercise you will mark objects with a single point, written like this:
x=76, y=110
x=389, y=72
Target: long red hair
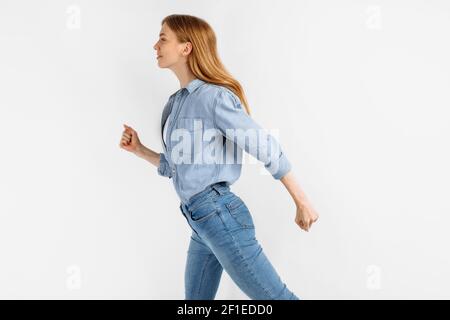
x=204, y=60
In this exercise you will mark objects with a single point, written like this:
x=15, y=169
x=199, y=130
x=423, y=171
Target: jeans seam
x=281, y=292
x=196, y=241
x=267, y=292
x=203, y=273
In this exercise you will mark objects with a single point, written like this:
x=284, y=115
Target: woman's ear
x=187, y=48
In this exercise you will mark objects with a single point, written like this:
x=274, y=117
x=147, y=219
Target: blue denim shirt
x=209, y=118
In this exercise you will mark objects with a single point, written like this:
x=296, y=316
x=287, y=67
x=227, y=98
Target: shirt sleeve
x=235, y=124
x=164, y=167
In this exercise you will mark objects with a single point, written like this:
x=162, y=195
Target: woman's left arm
x=228, y=113
x=305, y=215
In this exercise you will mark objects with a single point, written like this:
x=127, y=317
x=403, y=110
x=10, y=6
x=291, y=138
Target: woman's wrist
x=300, y=200
x=147, y=154
x=294, y=189
x=140, y=151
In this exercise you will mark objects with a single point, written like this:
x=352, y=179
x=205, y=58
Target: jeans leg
x=203, y=271
x=234, y=243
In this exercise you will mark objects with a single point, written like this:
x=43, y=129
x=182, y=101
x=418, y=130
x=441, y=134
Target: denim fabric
x=198, y=109
x=223, y=237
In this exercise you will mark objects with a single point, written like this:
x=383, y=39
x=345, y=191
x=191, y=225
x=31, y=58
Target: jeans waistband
x=221, y=187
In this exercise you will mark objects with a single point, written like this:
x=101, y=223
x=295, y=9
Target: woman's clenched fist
x=130, y=140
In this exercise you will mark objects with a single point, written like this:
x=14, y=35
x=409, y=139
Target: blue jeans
x=223, y=237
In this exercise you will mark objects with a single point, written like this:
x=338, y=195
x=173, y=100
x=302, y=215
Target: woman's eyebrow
x=162, y=34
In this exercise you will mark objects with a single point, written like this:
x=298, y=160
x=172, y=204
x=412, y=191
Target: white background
x=359, y=91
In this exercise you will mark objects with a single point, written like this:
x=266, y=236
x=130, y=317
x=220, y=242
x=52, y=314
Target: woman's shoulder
x=215, y=91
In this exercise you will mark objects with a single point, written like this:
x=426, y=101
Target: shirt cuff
x=284, y=166
x=164, y=167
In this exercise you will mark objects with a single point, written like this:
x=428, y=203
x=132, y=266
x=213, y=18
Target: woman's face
x=169, y=51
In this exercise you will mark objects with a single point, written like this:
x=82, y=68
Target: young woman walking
x=211, y=104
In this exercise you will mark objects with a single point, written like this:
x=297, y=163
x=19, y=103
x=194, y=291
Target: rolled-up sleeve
x=235, y=124
x=164, y=167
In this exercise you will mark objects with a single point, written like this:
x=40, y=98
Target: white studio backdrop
x=359, y=91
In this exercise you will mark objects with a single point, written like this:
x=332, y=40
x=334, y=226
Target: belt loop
x=214, y=187
x=219, y=188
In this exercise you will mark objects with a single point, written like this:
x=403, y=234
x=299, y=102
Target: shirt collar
x=194, y=84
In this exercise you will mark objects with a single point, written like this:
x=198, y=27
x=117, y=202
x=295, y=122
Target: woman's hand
x=306, y=215
x=130, y=140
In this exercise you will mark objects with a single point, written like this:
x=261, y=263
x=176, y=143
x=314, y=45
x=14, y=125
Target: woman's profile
x=205, y=125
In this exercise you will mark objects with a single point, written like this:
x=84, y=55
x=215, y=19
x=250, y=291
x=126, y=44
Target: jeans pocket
x=240, y=213
x=204, y=212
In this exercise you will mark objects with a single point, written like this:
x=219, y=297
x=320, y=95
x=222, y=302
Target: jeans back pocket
x=240, y=213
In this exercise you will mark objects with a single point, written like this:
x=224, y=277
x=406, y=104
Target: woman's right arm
x=130, y=142
x=148, y=154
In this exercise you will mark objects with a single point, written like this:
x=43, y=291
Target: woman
x=209, y=102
